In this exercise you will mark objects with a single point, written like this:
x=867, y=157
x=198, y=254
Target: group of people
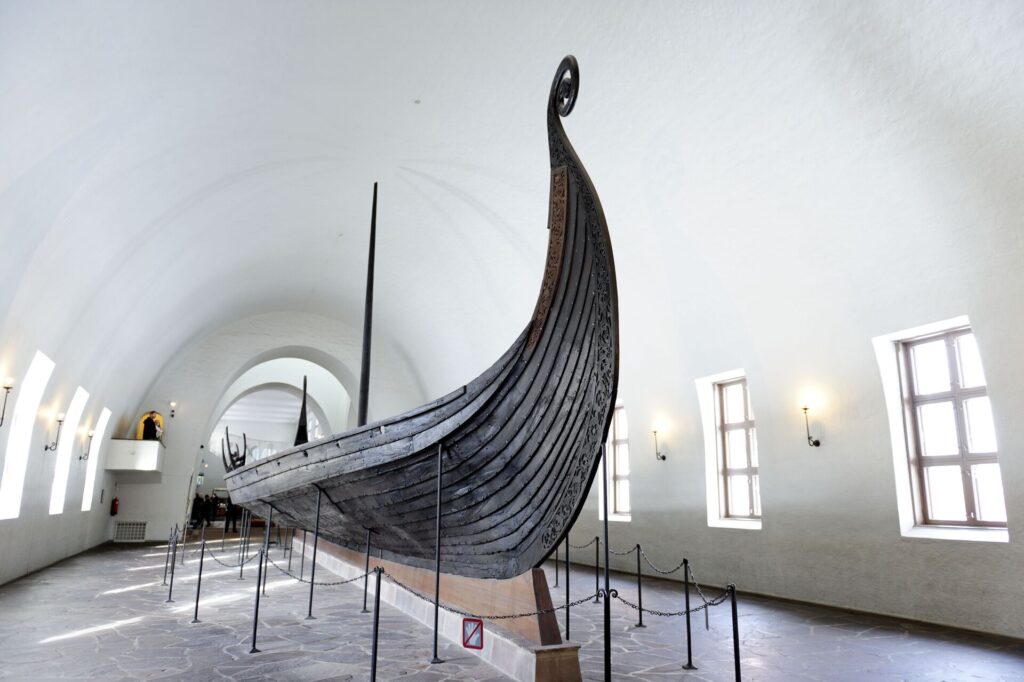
x=204, y=512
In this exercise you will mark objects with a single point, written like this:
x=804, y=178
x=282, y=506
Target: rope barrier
x=659, y=570
x=390, y=578
x=214, y=555
x=583, y=546
x=706, y=605
x=626, y=553
x=326, y=584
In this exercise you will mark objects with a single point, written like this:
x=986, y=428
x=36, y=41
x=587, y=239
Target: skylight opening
x=59, y=489
x=93, y=461
x=19, y=440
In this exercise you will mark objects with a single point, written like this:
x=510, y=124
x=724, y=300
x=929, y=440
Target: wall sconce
x=657, y=450
x=88, y=448
x=8, y=385
x=812, y=442
x=174, y=406
x=60, y=425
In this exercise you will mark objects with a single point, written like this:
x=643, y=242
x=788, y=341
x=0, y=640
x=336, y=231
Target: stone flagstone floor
x=102, y=616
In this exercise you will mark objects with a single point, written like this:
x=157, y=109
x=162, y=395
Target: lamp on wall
x=657, y=450
x=88, y=448
x=8, y=385
x=812, y=442
x=60, y=425
x=174, y=406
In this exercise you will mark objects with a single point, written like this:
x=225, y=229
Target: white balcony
x=135, y=455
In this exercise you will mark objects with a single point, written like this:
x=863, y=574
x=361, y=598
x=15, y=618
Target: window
x=731, y=474
x=93, y=461
x=69, y=439
x=740, y=484
x=951, y=439
x=19, y=441
x=618, y=468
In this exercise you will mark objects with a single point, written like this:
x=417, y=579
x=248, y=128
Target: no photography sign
x=472, y=633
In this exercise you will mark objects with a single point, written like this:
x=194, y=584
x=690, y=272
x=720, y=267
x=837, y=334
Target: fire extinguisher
x=113, y=506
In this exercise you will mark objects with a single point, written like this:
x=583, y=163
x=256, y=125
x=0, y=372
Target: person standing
x=197, y=511
x=231, y=517
x=150, y=427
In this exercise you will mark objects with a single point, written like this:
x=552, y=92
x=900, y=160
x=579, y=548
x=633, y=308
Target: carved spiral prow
x=565, y=87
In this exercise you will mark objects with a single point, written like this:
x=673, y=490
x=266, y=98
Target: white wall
x=783, y=182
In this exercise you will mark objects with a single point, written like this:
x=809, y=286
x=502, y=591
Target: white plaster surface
x=185, y=188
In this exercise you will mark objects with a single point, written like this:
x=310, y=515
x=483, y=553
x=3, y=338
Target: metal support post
x=567, y=564
x=266, y=550
x=556, y=565
x=366, y=578
x=376, y=623
x=223, y=532
x=291, y=547
x=167, y=559
x=199, y=580
x=437, y=556
x=302, y=557
x=256, y=608
x=639, y=589
x=597, y=570
x=686, y=592
x=184, y=542
x=312, y=565
x=174, y=557
x=735, y=631
x=608, y=593
x=243, y=544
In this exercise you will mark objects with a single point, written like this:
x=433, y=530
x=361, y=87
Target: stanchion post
x=199, y=579
x=223, y=532
x=291, y=547
x=376, y=623
x=302, y=557
x=174, y=557
x=243, y=544
x=735, y=631
x=607, y=573
x=312, y=565
x=567, y=563
x=639, y=589
x=167, y=559
x=437, y=556
x=366, y=578
x=597, y=570
x=686, y=596
x=266, y=551
x=556, y=565
x=184, y=542
x=256, y=608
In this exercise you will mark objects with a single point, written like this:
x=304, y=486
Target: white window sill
x=616, y=517
x=951, y=533
x=746, y=524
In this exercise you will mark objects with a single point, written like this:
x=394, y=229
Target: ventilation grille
x=129, y=531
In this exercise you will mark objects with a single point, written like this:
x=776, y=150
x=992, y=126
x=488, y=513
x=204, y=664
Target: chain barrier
x=659, y=570
x=583, y=546
x=214, y=555
x=319, y=584
x=466, y=614
x=626, y=553
x=706, y=605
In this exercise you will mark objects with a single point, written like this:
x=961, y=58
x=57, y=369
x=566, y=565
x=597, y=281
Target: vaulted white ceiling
x=768, y=171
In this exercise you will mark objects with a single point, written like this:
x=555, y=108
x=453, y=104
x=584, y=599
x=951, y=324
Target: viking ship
x=516, y=448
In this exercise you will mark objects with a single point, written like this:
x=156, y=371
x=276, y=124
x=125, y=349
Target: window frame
x=614, y=476
x=751, y=471
x=956, y=395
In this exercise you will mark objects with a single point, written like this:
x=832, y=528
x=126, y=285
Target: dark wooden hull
x=520, y=444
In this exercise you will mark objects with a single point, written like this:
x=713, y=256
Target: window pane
x=622, y=497
x=981, y=432
x=937, y=426
x=753, y=448
x=621, y=459
x=988, y=492
x=739, y=496
x=930, y=367
x=969, y=361
x=945, y=491
x=757, y=495
x=734, y=402
x=621, y=425
x=736, y=449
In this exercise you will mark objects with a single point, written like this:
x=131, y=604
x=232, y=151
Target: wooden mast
x=364, y=375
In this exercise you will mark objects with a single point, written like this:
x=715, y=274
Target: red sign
x=472, y=633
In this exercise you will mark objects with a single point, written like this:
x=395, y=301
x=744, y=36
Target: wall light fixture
x=8, y=385
x=657, y=449
x=88, y=448
x=174, y=406
x=60, y=425
x=812, y=442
